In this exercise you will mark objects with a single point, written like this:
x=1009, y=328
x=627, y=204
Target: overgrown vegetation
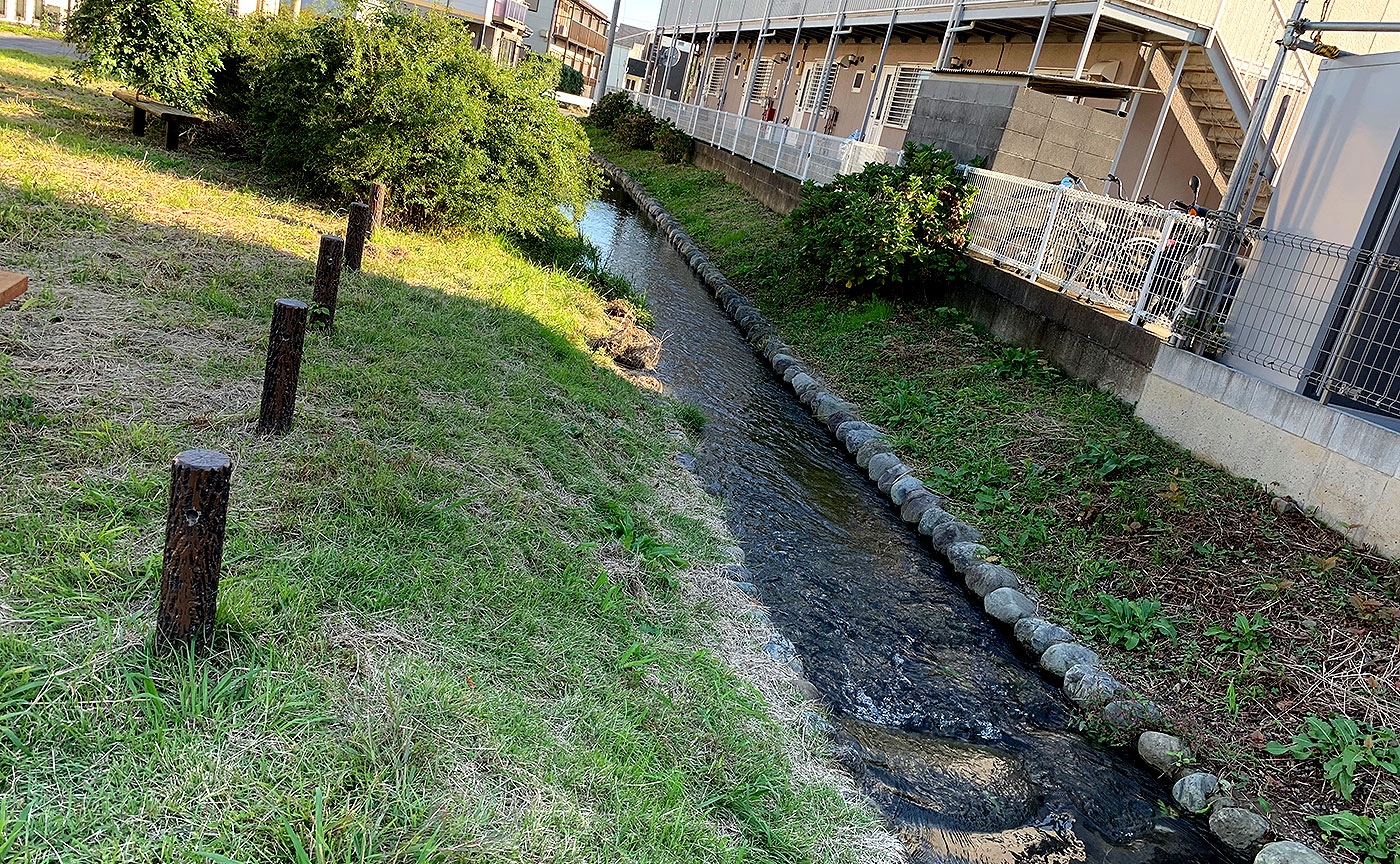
x=1275, y=617
x=452, y=624
x=168, y=50
x=670, y=143
x=571, y=80
x=887, y=226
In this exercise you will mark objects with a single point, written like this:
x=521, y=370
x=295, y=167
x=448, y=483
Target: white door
x=883, y=98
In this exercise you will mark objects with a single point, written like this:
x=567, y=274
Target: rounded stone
x=1130, y=715
x=1164, y=752
x=932, y=518
x=1238, y=828
x=856, y=437
x=824, y=408
x=737, y=573
x=1060, y=657
x=1008, y=605
x=953, y=532
x=782, y=362
x=892, y=475
x=900, y=489
x=916, y=504
x=772, y=348
x=966, y=555
x=984, y=578
x=802, y=381
x=779, y=648
x=734, y=553
x=1287, y=852
x=748, y=588
x=870, y=449
x=848, y=427
x=879, y=464
x=1193, y=792
x=1046, y=637
x=1026, y=627
x=844, y=415
x=1090, y=687
x=758, y=617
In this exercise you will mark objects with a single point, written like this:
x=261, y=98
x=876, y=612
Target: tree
x=571, y=80
x=168, y=50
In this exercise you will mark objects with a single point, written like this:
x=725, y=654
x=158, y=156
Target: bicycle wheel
x=1119, y=276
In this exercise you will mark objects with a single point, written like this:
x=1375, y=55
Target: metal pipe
x=1133, y=106
x=1263, y=174
x=826, y=69
x=729, y=68
x=1088, y=41
x=879, y=72
x=703, y=83
x=1161, y=119
x=1141, y=306
x=754, y=61
x=782, y=92
x=1215, y=24
x=950, y=31
x=1349, y=26
x=602, y=87
x=1040, y=37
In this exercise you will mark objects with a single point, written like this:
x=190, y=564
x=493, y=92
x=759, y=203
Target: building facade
x=574, y=31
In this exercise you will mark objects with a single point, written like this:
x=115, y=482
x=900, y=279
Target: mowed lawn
x=471, y=609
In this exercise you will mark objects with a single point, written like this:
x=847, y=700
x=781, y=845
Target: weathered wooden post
x=355, y=235
x=279, y=396
x=327, y=281
x=378, y=196
x=138, y=121
x=194, y=549
x=172, y=134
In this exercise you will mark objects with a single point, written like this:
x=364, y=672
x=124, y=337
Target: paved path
x=36, y=45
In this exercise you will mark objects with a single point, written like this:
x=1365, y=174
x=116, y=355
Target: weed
x=1106, y=461
x=1014, y=362
x=1344, y=746
x=691, y=417
x=1248, y=635
x=1376, y=839
x=1130, y=623
x=623, y=526
x=19, y=409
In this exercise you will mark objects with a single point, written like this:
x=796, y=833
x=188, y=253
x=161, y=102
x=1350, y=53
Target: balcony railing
x=511, y=12
x=690, y=12
x=576, y=32
x=797, y=153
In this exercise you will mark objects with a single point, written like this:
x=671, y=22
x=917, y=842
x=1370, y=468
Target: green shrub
x=1130, y=623
x=670, y=143
x=165, y=49
x=331, y=103
x=887, y=225
x=634, y=128
x=607, y=110
x=571, y=80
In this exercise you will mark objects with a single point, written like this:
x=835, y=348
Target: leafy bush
x=887, y=225
x=1130, y=623
x=571, y=80
x=634, y=128
x=331, y=103
x=670, y=143
x=609, y=109
x=168, y=50
x=1343, y=745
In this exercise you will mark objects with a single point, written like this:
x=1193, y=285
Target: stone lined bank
x=1003, y=596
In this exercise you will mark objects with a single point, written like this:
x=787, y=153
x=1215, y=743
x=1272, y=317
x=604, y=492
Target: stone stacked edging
x=1003, y=595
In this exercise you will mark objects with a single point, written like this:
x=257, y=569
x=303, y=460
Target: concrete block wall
x=778, y=192
x=966, y=117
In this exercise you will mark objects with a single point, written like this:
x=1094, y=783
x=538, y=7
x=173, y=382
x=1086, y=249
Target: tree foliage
x=332, y=103
x=670, y=143
x=571, y=80
x=887, y=225
x=168, y=50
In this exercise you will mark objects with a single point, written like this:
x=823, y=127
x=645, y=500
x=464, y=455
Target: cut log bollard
x=138, y=121
x=378, y=195
x=172, y=135
x=327, y=281
x=279, y=396
x=194, y=549
x=355, y=235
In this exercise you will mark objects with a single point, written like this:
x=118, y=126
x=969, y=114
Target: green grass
x=1100, y=514
x=434, y=641
x=24, y=30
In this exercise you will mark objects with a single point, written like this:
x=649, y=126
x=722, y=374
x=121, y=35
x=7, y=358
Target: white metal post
x=1049, y=229
x=1146, y=293
x=1133, y=106
x=729, y=70
x=1040, y=37
x=1161, y=120
x=879, y=72
x=782, y=92
x=826, y=67
x=602, y=88
x=753, y=61
x=1088, y=40
x=950, y=35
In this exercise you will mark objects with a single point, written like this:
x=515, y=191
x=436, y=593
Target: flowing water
x=966, y=747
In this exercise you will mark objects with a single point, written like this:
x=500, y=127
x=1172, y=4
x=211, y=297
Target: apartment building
x=574, y=31
x=1179, y=75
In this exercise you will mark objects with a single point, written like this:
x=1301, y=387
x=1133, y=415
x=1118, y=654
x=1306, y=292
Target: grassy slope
x=1021, y=452
x=430, y=644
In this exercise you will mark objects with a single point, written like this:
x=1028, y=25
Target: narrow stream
x=968, y=749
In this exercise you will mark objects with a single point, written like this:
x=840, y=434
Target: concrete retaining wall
x=1346, y=467
x=778, y=192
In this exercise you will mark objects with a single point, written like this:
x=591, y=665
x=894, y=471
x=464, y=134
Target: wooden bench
x=174, y=117
x=12, y=285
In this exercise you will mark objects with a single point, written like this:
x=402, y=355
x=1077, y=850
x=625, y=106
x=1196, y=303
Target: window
x=714, y=81
x=858, y=83
x=762, y=80
x=905, y=92
x=811, y=81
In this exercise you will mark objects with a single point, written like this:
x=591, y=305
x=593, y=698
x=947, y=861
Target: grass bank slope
x=470, y=607
x=1241, y=621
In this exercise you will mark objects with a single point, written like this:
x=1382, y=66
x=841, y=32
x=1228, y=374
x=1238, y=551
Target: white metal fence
x=798, y=153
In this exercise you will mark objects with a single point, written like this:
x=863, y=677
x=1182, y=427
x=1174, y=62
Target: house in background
x=574, y=31
x=628, y=68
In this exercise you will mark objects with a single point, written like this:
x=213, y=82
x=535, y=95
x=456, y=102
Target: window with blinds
x=762, y=80
x=904, y=94
x=811, y=82
x=714, y=81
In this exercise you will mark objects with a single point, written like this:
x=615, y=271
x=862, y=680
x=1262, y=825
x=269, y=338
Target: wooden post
x=355, y=235
x=327, y=281
x=172, y=134
x=279, y=396
x=138, y=121
x=194, y=549
x=378, y=195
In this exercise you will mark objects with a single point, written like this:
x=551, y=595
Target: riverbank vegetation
x=471, y=608
x=1258, y=630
